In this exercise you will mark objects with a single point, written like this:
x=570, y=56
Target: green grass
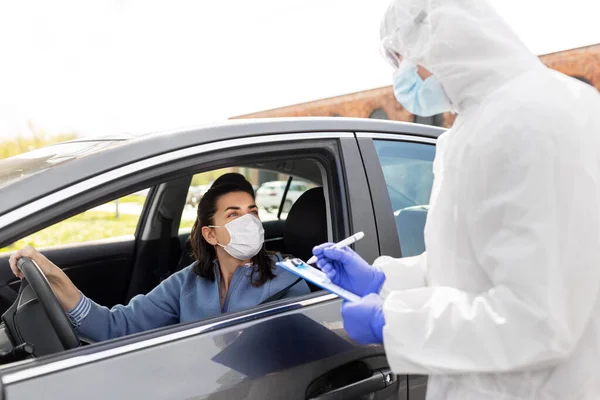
x=90, y=225
x=133, y=198
x=186, y=223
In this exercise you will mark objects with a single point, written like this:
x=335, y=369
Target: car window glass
x=115, y=219
x=408, y=172
x=269, y=188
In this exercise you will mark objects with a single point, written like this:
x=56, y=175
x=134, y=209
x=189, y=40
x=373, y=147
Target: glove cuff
x=377, y=281
x=377, y=323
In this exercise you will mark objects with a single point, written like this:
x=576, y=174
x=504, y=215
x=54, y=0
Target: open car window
x=117, y=219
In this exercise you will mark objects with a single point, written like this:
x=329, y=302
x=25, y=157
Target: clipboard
x=317, y=277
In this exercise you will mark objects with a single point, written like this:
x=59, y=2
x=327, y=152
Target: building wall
x=359, y=105
x=583, y=63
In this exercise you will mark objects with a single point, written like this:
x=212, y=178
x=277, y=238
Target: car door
x=400, y=174
x=293, y=349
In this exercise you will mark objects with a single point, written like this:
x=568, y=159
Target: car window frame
x=386, y=226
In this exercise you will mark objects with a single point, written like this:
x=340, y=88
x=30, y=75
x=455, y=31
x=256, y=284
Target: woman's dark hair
x=203, y=251
x=235, y=179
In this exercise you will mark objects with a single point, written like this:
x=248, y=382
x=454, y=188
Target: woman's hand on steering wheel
x=48, y=267
x=67, y=293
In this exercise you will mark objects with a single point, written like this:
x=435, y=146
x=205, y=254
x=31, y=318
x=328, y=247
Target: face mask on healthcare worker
x=420, y=97
x=247, y=237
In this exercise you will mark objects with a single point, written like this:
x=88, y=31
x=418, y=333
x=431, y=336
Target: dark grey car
x=370, y=175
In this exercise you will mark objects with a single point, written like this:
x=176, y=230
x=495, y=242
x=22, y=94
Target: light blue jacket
x=183, y=297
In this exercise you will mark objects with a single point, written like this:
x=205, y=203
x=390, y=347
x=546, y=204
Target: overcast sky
x=102, y=67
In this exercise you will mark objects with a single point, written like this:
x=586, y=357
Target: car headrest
x=410, y=224
x=306, y=224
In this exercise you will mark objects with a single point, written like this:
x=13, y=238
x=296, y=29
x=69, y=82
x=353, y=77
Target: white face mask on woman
x=247, y=236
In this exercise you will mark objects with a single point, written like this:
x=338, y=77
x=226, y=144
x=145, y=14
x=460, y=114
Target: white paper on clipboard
x=316, y=276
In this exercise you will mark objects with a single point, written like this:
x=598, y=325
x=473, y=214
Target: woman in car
x=232, y=272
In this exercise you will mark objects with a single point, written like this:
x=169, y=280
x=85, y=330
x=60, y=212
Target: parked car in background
x=270, y=194
x=195, y=194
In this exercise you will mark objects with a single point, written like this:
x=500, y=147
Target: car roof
x=119, y=150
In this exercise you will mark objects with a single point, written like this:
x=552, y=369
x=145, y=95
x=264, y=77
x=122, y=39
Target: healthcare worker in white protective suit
x=505, y=302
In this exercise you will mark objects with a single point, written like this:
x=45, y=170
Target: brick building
x=582, y=63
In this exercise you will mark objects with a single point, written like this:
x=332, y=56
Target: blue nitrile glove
x=364, y=320
x=347, y=269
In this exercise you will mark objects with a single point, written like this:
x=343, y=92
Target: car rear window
x=19, y=167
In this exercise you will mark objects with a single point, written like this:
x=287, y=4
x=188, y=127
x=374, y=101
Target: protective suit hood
x=465, y=43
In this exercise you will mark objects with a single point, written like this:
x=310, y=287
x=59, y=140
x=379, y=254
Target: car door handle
x=378, y=380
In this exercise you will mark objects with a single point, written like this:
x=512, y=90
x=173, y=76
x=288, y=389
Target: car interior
x=113, y=270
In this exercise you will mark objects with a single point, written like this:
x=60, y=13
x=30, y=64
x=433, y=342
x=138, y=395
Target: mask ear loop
x=217, y=226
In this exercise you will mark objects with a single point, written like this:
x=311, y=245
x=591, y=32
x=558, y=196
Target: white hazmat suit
x=505, y=302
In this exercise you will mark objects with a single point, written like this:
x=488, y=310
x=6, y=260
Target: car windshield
x=19, y=167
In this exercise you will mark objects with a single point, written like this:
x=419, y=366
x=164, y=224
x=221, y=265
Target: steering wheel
x=46, y=297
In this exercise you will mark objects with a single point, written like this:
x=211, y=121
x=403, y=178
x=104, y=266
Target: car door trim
x=76, y=361
x=397, y=137
x=106, y=177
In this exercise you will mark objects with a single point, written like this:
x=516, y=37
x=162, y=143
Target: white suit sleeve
x=533, y=227
x=402, y=273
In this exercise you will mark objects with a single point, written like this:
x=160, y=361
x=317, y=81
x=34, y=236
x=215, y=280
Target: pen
x=346, y=242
